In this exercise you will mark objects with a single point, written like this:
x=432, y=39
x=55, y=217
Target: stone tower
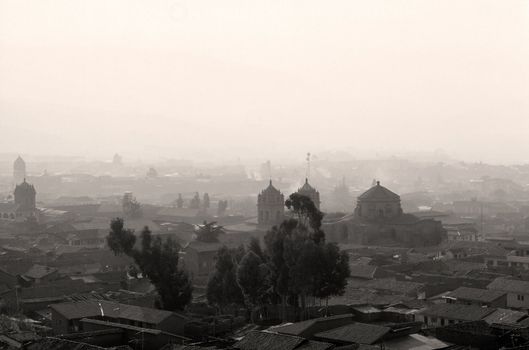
x=25, y=197
x=308, y=191
x=270, y=207
x=19, y=171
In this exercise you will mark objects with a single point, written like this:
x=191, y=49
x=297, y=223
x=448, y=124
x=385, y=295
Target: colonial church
x=270, y=207
x=308, y=191
x=271, y=204
x=24, y=205
x=378, y=219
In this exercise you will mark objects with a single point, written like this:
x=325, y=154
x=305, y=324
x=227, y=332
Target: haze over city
x=264, y=175
x=231, y=79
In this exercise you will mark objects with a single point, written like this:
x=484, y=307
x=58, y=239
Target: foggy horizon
x=180, y=79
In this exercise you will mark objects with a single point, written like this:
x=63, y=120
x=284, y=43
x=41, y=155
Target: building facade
x=270, y=207
x=308, y=191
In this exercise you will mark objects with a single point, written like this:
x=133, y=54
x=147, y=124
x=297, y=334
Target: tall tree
x=307, y=214
x=222, y=289
x=255, y=246
x=333, y=272
x=157, y=260
x=251, y=277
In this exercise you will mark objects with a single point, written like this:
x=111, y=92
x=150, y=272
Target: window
x=442, y=321
x=520, y=297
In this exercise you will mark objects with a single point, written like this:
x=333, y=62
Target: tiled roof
x=39, y=271
x=87, y=309
x=458, y=312
x=361, y=333
x=476, y=294
x=509, y=285
x=505, y=316
x=50, y=343
x=256, y=340
x=315, y=345
x=362, y=271
x=298, y=328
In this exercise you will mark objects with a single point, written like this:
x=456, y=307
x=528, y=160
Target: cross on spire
x=308, y=166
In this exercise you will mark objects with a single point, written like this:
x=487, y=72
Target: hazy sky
x=177, y=78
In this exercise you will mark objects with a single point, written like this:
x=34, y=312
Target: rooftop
x=476, y=294
x=458, y=312
x=509, y=285
x=87, y=309
x=378, y=193
x=361, y=333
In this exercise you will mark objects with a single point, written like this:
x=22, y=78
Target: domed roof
x=270, y=189
x=379, y=193
x=306, y=188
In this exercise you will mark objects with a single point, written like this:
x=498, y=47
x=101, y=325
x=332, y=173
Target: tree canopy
x=157, y=260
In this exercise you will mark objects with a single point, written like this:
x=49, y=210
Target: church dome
x=378, y=193
x=306, y=188
x=270, y=194
x=308, y=191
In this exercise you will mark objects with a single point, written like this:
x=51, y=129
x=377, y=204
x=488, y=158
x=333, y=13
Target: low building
x=439, y=315
x=256, y=340
x=66, y=317
x=307, y=329
x=477, y=296
x=517, y=291
x=200, y=258
x=40, y=273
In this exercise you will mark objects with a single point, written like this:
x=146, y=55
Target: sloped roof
x=256, y=340
x=361, y=333
x=458, y=312
x=298, y=328
x=51, y=343
x=39, y=271
x=315, y=345
x=476, y=294
x=505, y=316
x=306, y=188
x=510, y=285
x=378, y=193
x=362, y=271
x=87, y=309
x=270, y=189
